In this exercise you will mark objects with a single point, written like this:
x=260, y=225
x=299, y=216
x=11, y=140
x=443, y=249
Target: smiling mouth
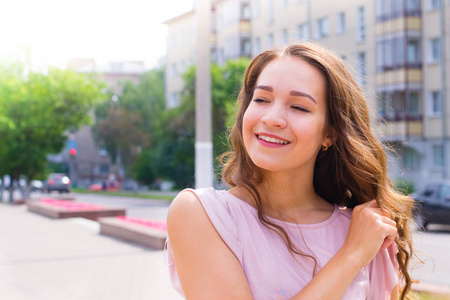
x=272, y=140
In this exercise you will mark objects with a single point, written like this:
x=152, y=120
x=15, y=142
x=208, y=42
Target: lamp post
x=203, y=123
x=115, y=100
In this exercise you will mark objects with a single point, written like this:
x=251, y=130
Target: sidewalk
x=42, y=258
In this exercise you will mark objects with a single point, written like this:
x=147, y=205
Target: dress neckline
x=242, y=203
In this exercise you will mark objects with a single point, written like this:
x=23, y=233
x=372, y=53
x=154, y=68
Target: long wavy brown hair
x=351, y=172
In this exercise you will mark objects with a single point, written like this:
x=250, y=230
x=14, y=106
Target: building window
x=434, y=50
x=392, y=106
x=174, y=100
x=284, y=37
x=411, y=158
x=245, y=12
x=322, y=28
x=246, y=47
x=256, y=9
x=303, y=31
x=399, y=53
x=391, y=9
x=340, y=23
x=214, y=55
x=413, y=8
x=173, y=70
x=435, y=102
x=361, y=24
x=182, y=67
x=391, y=54
x=438, y=156
x=270, y=40
x=269, y=11
x=413, y=51
x=104, y=169
x=413, y=106
x=433, y=4
x=362, y=68
x=384, y=106
x=102, y=151
x=257, y=46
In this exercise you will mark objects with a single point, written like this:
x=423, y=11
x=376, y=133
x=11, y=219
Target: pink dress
x=271, y=270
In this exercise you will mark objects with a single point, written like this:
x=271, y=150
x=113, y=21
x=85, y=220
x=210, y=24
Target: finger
x=387, y=243
x=390, y=237
x=383, y=213
x=389, y=221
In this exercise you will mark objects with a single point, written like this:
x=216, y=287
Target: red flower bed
x=156, y=224
x=71, y=206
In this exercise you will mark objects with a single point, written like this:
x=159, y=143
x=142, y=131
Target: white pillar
x=203, y=123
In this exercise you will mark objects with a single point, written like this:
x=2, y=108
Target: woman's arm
x=395, y=293
x=370, y=229
x=206, y=267
x=209, y=270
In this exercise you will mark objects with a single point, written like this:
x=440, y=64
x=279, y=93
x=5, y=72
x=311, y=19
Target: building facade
x=398, y=50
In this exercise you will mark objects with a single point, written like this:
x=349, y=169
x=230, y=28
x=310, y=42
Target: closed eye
x=259, y=100
x=300, y=108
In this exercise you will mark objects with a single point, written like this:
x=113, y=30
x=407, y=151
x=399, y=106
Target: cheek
x=247, y=127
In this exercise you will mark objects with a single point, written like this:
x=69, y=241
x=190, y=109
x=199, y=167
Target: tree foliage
x=170, y=151
x=36, y=111
x=128, y=126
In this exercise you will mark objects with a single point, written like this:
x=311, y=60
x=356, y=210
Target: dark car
x=433, y=204
x=57, y=182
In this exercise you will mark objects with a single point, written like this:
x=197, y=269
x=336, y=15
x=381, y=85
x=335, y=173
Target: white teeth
x=272, y=140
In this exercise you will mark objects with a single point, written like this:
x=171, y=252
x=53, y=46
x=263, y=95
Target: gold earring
x=325, y=148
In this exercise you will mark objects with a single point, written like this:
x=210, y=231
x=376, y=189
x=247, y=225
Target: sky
x=55, y=31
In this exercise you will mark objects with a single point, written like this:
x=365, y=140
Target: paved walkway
x=42, y=258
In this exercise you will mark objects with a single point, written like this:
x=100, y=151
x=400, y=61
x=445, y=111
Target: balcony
x=399, y=131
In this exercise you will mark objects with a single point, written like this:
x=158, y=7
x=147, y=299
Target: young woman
x=311, y=213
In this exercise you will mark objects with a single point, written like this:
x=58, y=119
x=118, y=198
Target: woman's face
x=285, y=123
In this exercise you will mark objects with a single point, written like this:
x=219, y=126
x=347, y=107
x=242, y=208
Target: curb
x=431, y=288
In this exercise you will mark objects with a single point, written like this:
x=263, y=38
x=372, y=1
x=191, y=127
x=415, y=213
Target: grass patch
x=125, y=194
x=429, y=296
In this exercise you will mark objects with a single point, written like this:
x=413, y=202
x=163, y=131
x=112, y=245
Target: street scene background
x=99, y=103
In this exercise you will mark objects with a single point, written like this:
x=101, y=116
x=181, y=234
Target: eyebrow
x=292, y=93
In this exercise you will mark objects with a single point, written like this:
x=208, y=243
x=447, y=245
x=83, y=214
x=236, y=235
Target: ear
x=330, y=138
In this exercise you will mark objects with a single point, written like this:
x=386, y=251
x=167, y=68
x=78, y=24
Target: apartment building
x=398, y=51
x=230, y=39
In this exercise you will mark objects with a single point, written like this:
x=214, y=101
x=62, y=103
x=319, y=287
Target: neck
x=284, y=192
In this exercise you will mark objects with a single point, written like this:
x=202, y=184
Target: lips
x=269, y=138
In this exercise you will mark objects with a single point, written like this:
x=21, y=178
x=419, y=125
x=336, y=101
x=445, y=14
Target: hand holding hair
x=371, y=229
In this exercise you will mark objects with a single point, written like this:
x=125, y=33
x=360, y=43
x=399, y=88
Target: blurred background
x=99, y=96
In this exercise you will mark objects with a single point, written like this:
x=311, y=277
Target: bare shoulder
x=206, y=267
x=184, y=209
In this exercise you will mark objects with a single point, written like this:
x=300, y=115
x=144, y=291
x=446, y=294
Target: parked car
x=433, y=204
x=104, y=186
x=57, y=182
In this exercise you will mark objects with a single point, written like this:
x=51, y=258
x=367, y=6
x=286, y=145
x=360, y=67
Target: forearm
x=333, y=280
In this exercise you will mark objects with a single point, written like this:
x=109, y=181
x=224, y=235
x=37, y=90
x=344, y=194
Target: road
x=433, y=247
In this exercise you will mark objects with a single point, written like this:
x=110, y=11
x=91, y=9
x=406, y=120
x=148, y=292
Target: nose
x=274, y=117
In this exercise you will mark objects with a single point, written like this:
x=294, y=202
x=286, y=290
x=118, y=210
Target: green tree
x=170, y=153
x=127, y=126
x=122, y=134
x=37, y=111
